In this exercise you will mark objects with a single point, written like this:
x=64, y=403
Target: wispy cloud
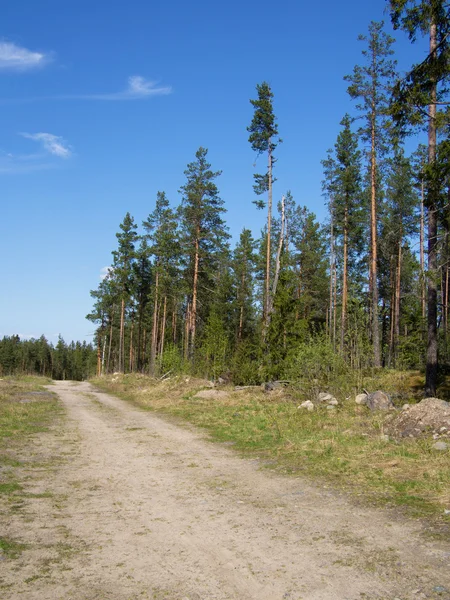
x=16, y=58
x=137, y=88
x=54, y=147
x=53, y=144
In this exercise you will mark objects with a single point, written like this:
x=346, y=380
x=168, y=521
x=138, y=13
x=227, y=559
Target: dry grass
x=344, y=446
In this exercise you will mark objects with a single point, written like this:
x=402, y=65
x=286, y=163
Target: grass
x=341, y=447
x=26, y=409
x=10, y=548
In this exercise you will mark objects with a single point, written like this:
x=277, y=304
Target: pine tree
x=162, y=235
x=264, y=138
x=399, y=223
x=243, y=265
x=204, y=236
x=122, y=269
x=425, y=87
x=343, y=187
x=370, y=85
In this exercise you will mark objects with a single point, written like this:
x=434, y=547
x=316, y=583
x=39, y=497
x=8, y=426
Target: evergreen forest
x=366, y=289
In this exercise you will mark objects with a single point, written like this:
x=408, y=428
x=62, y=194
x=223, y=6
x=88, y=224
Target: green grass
x=11, y=548
x=23, y=414
x=342, y=447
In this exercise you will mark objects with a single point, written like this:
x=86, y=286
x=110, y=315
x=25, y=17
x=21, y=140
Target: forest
x=366, y=289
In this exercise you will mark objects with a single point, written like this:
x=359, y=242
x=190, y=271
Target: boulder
x=361, y=399
x=440, y=446
x=325, y=397
x=307, y=404
x=379, y=401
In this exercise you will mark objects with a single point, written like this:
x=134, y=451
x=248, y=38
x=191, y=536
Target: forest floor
x=127, y=504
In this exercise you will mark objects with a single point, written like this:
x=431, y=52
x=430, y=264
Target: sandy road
x=142, y=508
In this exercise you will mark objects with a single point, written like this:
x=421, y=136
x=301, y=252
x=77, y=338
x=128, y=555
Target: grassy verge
x=26, y=409
x=343, y=447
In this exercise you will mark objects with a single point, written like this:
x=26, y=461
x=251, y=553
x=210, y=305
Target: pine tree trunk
x=99, y=356
x=268, y=248
x=344, y=281
x=277, y=263
x=154, y=327
x=193, y=319
x=373, y=243
x=163, y=330
x=108, y=363
x=122, y=336
x=241, y=311
x=131, y=365
x=187, y=327
x=332, y=268
x=422, y=252
x=174, y=323
x=432, y=349
x=397, y=299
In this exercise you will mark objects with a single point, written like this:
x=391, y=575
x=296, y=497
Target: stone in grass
x=379, y=401
x=333, y=402
x=325, y=397
x=331, y=407
x=440, y=446
x=307, y=404
x=361, y=399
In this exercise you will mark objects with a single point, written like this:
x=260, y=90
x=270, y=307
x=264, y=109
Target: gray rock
x=379, y=401
x=325, y=397
x=440, y=446
x=307, y=404
x=333, y=402
x=384, y=438
x=361, y=399
x=331, y=407
x=406, y=407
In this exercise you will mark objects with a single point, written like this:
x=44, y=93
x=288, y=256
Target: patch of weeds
x=10, y=488
x=11, y=548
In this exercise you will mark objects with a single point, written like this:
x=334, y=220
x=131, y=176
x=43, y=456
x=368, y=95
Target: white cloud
x=105, y=272
x=138, y=87
x=54, y=144
x=15, y=58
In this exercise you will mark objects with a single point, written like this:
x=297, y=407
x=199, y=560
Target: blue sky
x=102, y=104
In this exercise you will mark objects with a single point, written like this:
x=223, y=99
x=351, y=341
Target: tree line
x=369, y=286
x=75, y=361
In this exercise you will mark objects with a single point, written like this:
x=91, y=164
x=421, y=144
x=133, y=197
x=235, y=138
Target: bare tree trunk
x=163, y=330
x=110, y=345
x=398, y=282
x=122, y=336
x=332, y=270
x=373, y=242
x=344, y=281
x=422, y=252
x=267, y=300
x=174, y=323
x=131, y=365
x=99, y=356
x=154, y=327
x=277, y=262
x=186, y=331
x=432, y=349
x=193, y=320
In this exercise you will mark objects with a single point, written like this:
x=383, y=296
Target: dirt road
x=142, y=508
